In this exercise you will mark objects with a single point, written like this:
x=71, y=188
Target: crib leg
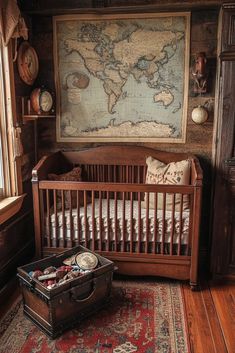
x=194, y=287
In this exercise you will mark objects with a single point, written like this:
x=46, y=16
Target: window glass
x=1, y=129
x=5, y=130
x=1, y=173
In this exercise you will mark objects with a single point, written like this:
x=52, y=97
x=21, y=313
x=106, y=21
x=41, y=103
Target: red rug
x=145, y=317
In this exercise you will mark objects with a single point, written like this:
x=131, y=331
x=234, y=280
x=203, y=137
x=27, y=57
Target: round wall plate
x=27, y=62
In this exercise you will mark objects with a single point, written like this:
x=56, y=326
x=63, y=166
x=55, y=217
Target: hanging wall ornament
x=199, y=115
x=27, y=63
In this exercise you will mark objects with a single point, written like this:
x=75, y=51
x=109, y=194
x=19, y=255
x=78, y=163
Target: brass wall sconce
x=200, y=74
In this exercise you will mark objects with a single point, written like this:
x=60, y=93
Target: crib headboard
x=121, y=155
x=125, y=164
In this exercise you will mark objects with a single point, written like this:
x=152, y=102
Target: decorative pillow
x=174, y=173
x=73, y=175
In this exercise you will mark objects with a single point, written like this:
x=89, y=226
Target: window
x=5, y=121
x=1, y=173
x=10, y=182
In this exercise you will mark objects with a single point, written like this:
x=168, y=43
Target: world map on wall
x=122, y=78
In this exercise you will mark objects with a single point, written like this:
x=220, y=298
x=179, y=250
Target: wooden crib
x=111, y=217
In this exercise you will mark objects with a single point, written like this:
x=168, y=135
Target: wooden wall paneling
x=231, y=205
x=223, y=236
x=16, y=244
x=199, y=138
x=228, y=33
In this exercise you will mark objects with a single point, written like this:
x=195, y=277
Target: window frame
x=11, y=195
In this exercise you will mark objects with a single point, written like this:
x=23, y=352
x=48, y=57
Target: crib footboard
x=145, y=229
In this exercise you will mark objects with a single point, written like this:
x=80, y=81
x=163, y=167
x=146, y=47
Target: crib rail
x=141, y=240
x=73, y=213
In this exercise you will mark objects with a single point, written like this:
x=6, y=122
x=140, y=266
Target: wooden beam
x=58, y=7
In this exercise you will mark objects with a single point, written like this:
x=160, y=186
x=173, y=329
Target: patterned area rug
x=143, y=316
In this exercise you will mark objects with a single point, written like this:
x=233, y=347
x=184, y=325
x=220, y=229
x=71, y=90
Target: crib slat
x=109, y=173
x=93, y=219
x=98, y=173
x=131, y=222
x=85, y=217
x=180, y=225
x=123, y=221
x=172, y=224
x=139, y=222
x=163, y=222
x=103, y=173
x=147, y=222
x=96, y=168
x=115, y=174
x=138, y=174
x=88, y=172
x=48, y=219
x=189, y=242
x=42, y=208
x=70, y=241
x=143, y=175
x=56, y=219
x=102, y=178
x=100, y=220
x=108, y=221
x=92, y=172
x=145, y=172
x=127, y=174
x=155, y=223
x=115, y=220
x=78, y=218
x=63, y=218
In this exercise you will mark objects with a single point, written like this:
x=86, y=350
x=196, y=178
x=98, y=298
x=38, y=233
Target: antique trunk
x=57, y=309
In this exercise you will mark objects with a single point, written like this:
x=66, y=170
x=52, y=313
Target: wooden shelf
x=28, y=114
x=36, y=117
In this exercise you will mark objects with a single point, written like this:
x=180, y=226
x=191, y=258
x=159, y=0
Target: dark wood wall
x=203, y=38
x=204, y=22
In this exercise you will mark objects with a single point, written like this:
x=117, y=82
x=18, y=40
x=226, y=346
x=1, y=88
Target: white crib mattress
x=106, y=230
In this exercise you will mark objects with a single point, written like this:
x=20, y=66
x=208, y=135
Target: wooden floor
x=210, y=316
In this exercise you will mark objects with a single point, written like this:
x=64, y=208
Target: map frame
x=124, y=138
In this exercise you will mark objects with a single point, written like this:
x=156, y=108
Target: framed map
x=122, y=77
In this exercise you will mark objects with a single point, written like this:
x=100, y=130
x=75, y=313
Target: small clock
x=27, y=62
x=41, y=101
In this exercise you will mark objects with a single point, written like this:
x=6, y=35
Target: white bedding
x=103, y=232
